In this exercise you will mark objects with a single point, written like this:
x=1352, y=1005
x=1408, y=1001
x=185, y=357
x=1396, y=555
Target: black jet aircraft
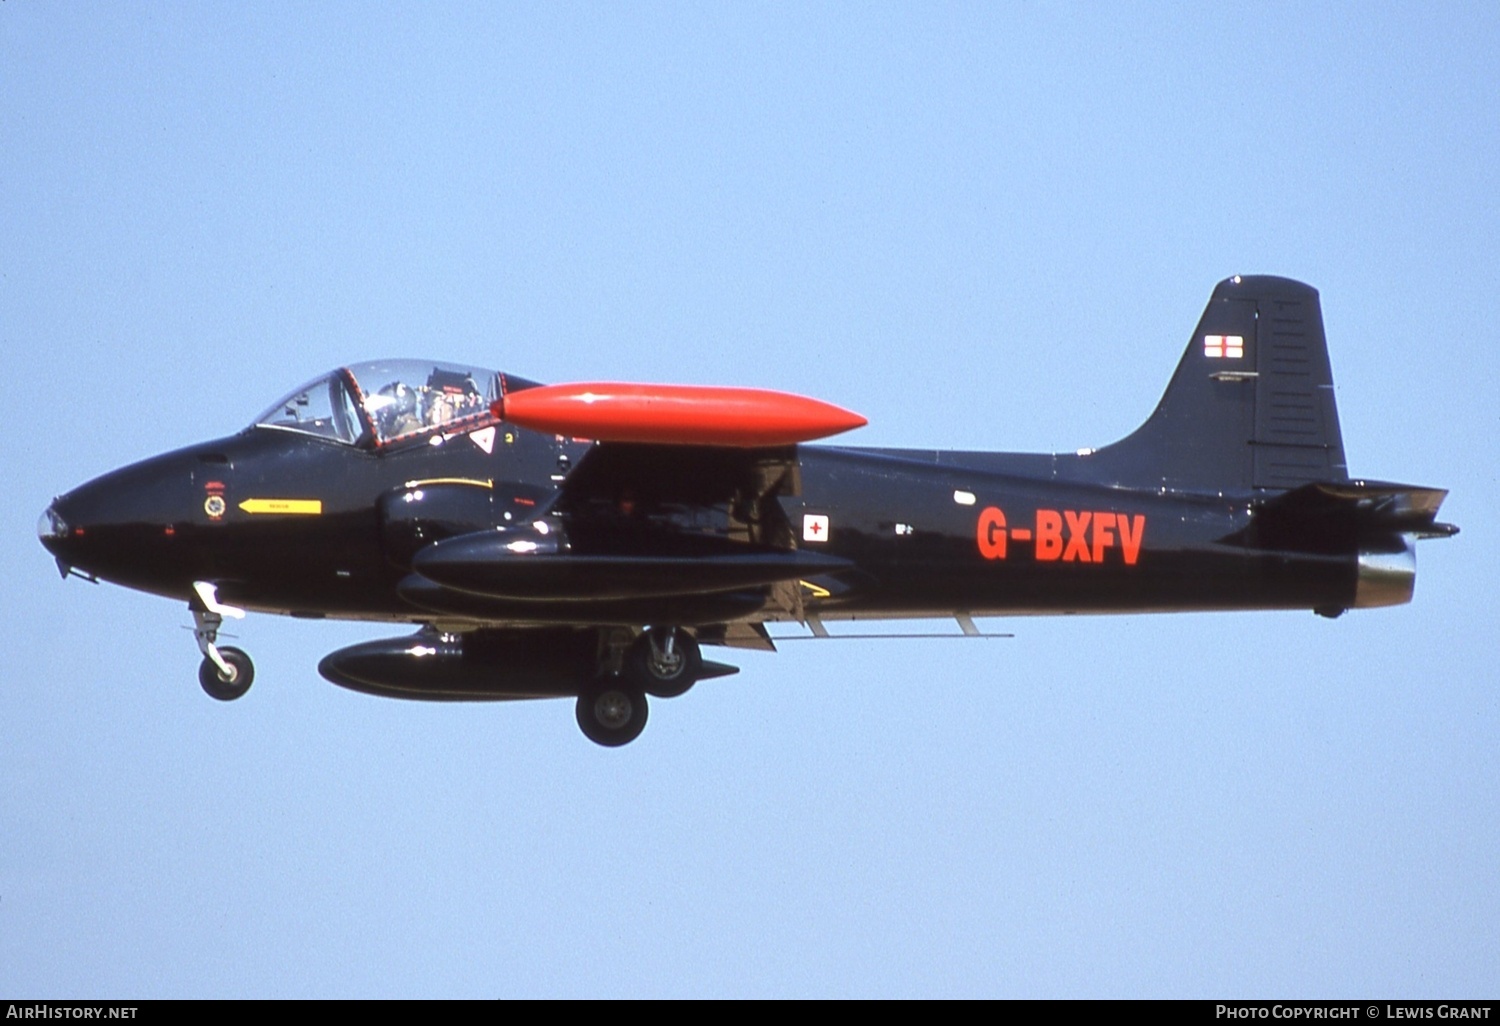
x=586, y=540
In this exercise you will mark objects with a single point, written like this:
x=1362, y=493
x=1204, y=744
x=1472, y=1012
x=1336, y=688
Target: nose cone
x=118, y=526
x=73, y=527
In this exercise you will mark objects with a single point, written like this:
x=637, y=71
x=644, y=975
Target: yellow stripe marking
x=817, y=592
x=487, y=482
x=311, y=507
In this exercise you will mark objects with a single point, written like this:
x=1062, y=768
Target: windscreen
x=322, y=407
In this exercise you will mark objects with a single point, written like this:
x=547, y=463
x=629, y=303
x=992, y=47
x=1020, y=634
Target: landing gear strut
x=226, y=672
x=664, y=662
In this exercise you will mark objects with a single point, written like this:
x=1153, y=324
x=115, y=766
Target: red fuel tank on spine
x=675, y=414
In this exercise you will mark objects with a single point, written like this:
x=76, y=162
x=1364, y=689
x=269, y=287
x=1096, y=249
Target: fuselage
x=291, y=523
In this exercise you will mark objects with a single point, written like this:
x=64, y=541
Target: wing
x=670, y=517
x=639, y=523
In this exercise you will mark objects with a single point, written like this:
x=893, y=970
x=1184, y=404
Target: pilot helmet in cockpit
x=397, y=411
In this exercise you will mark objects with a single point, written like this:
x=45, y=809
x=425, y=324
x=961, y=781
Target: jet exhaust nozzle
x=1387, y=573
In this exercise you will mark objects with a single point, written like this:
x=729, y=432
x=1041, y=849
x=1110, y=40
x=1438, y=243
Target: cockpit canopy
x=385, y=401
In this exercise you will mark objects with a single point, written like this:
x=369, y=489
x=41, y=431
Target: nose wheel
x=233, y=680
x=226, y=672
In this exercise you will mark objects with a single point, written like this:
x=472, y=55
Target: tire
x=663, y=678
x=227, y=689
x=612, y=713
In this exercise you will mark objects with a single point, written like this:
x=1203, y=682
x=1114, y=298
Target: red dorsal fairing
x=675, y=414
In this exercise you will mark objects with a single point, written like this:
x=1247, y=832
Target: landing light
x=51, y=525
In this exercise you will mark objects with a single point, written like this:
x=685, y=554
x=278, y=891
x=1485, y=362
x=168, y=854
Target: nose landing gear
x=226, y=672
x=230, y=683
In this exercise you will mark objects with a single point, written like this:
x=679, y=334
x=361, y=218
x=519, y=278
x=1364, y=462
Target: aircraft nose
x=60, y=536
x=118, y=526
x=52, y=530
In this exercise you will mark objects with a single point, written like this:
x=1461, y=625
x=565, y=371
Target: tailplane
x=1378, y=521
x=1329, y=517
x=1251, y=404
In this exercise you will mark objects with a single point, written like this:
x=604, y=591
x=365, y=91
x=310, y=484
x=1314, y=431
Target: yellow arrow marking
x=305, y=506
x=817, y=592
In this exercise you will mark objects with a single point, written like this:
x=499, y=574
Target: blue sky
x=982, y=226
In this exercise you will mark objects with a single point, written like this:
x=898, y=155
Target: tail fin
x=1251, y=404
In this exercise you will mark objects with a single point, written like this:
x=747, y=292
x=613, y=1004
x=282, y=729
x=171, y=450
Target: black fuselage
x=289, y=523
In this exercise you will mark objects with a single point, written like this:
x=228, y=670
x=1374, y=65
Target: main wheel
x=661, y=674
x=612, y=713
x=226, y=688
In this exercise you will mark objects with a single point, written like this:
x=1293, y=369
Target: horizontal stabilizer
x=1378, y=505
x=1330, y=515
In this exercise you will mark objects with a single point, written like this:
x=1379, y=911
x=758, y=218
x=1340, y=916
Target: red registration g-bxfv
x=587, y=540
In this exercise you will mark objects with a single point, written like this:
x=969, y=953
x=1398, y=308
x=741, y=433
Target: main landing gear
x=226, y=672
x=663, y=663
x=612, y=712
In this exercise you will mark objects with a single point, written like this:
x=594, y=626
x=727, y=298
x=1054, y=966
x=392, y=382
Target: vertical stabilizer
x=1251, y=404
